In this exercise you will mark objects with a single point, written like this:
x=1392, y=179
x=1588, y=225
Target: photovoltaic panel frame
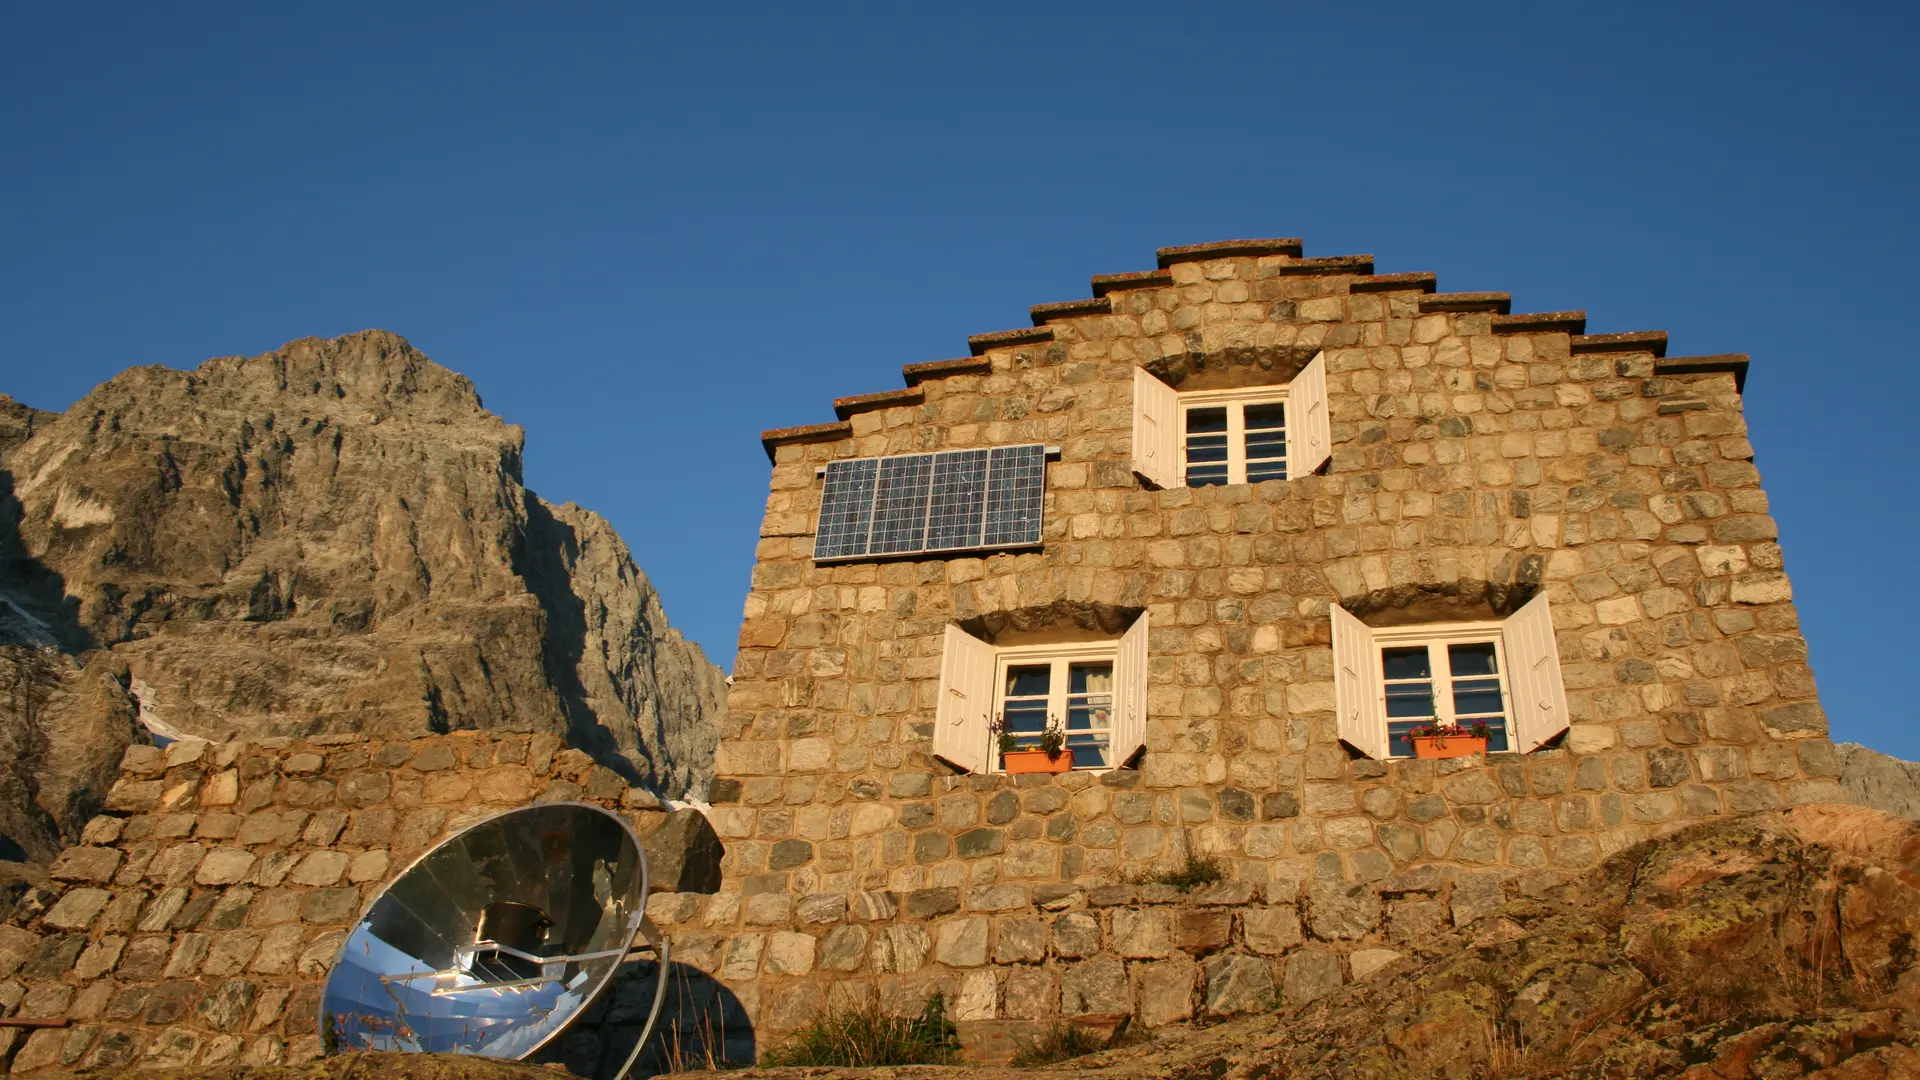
x=952, y=500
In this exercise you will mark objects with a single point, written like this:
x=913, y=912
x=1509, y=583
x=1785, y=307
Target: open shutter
x=966, y=701
x=1156, y=432
x=1356, y=685
x=1130, y=693
x=1537, y=694
x=1312, y=437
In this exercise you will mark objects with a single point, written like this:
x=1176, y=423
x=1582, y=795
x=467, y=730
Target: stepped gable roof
x=1286, y=259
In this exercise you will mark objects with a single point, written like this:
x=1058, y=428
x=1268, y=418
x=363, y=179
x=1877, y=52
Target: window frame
x=1436, y=637
x=1060, y=657
x=1235, y=401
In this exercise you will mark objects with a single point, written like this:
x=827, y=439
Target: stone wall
x=196, y=922
x=1478, y=457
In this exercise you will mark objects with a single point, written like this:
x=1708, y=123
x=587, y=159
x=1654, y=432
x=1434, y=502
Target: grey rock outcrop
x=1874, y=779
x=330, y=537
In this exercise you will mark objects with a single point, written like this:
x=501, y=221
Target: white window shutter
x=1539, y=696
x=965, y=707
x=1156, y=430
x=1311, y=437
x=1130, y=693
x=1357, y=685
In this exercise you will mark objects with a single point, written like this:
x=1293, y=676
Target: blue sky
x=646, y=237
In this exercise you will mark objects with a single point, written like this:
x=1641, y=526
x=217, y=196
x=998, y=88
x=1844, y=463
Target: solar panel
x=957, y=505
x=1016, y=478
x=900, y=504
x=954, y=500
x=846, y=509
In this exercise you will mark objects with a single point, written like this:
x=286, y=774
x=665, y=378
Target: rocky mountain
x=334, y=536
x=1877, y=780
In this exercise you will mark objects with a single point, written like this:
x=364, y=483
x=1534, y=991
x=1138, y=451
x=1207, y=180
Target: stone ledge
x=805, y=433
x=1138, y=279
x=1734, y=364
x=1571, y=322
x=1067, y=309
x=1331, y=264
x=1497, y=302
x=915, y=374
x=1423, y=281
x=1653, y=341
x=1228, y=249
x=858, y=403
x=1001, y=339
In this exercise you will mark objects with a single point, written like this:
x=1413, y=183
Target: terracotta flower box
x=1444, y=746
x=1032, y=761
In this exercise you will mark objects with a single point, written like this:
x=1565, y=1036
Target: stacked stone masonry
x=196, y=922
x=1478, y=458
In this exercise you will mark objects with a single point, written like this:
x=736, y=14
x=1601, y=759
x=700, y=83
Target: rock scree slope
x=333, y=536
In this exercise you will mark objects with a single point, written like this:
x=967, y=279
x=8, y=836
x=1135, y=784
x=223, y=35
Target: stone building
x=1236, y=525
x=1290, y=508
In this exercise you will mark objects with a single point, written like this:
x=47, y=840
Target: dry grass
x=864, y=1037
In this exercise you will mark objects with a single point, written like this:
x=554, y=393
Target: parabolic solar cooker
x=495, y=940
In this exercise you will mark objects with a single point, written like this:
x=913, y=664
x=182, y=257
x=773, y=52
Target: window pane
x=1399, y=742
x=1268, y=416
x=1406, y=663
x=1089, y=751
x=1026, y=719
x=1474, y=659
x=1206, y=447
x=1475, y=700
x=1029, y=680
x=1496, y=736
x=1269, y=469
x=1205, y=420
x=1206, y=475
x=1409, y=699
x=1089, y=697
x=1090, y=679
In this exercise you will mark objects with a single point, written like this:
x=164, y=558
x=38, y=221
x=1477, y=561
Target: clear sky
x=646, y=237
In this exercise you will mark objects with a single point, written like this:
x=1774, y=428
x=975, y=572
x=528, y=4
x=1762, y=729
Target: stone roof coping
x=1331, y=264
x=805, y=433
x=1497, y=302
x=1653, y=341
x=1067, y=309
x=1001, y=339
x=915, y=374
x=1425, y=281
x=1138, y=279
x=844, y=407
x=1719, y=363
x=1227, y=249
x=1573, y=322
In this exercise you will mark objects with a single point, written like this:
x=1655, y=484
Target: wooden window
x=1504, y=674
x=1095, y=691
x=1240, y=436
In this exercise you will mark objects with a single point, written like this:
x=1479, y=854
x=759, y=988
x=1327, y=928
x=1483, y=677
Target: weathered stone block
x=1096, y=986
x=1142, y=934
x=1239, y=984
x=1310, y=974
x=1336, y=911
x=962, y=942
x=1165, y=990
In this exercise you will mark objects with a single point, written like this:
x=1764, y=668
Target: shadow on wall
x=702, y=1026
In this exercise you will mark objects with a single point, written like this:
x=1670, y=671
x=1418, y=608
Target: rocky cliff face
x=1877, y=780
x=335, y=537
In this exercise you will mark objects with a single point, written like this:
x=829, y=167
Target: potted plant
x=1439, y=740
x=1048, y=755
